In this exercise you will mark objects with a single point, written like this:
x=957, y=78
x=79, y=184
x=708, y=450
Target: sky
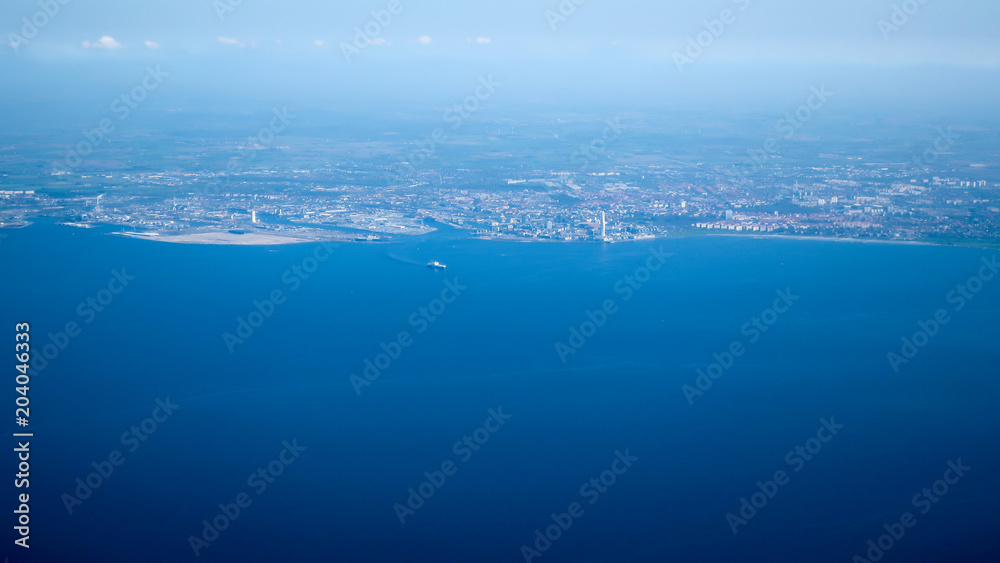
x=545, y=51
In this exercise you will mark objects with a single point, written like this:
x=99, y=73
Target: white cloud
x=484, y=40
x=278, y=41
x=229, y=41
x=424, y=39
x=105, y=42
x=152, y=45
x=318, y=43
x=378, y=41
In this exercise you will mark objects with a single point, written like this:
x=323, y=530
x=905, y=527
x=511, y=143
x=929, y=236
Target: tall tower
x=253, y=217
x=604, y=225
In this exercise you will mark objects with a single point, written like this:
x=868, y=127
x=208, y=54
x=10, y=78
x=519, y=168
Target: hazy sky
x=541, y=49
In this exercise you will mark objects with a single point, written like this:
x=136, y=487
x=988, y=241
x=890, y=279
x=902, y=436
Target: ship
x=435, y=265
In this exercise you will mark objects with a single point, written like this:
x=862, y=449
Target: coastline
x=832, y=239
x=732, y=235
x=227, y=238
x=267, y=238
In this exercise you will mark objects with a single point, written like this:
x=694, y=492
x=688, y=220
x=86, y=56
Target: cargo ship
x=435, y=265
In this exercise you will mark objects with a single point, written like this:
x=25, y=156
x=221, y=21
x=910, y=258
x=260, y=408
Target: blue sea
x=471, y=439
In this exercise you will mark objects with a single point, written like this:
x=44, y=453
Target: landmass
x=533, y=186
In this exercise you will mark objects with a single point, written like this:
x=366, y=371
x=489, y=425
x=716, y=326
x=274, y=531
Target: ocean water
x=494, y=347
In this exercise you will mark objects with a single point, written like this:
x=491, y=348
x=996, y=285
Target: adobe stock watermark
x=599, y=146
x=421, y=320
x=900, y=17
x=293, y=278
x=464, y=449
x=456, y=116
x=714, y=29
x=258, y=481
x=371, y=32
x=87, y=310
x=224, y=7
x=591, y=491
x=562, y=13
x=924, y=501
x=626, y=286
x=47, y=11
x=787, y=127
x=942, y=143
x=796, y=458
x=122, y=107
x=958, y=298
x=133, y=438
x=279, y=122
x=752, y=329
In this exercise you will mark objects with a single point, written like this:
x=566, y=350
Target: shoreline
x=225, y=238
x=832, y=239
x=973, y=244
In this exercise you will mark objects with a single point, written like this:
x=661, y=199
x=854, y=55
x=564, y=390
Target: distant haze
x=541, y=51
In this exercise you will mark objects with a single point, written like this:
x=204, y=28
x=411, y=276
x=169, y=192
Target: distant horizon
x=685, y=54
x=937, y=88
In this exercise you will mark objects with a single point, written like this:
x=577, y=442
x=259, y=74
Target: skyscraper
x=604, y=225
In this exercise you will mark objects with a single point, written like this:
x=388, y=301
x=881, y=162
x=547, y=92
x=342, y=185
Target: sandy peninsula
x=249, y=238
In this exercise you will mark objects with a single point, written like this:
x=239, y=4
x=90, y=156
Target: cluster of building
x=627, y=203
